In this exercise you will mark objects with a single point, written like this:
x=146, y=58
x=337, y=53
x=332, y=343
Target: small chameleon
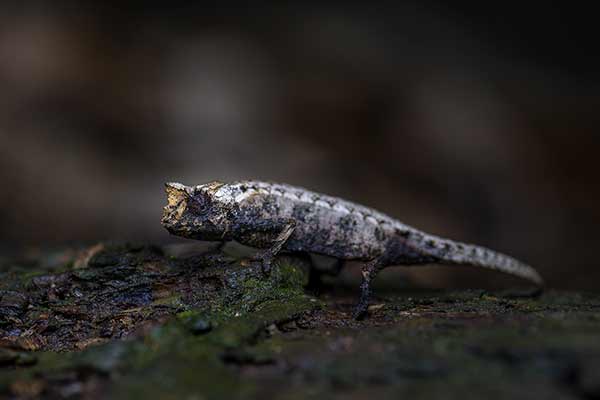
x=274, y=217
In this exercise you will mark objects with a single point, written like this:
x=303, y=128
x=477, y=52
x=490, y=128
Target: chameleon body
x=275, y=217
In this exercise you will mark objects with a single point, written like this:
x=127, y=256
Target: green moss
x=251, y=288
x=177, y=358
x=245, y=334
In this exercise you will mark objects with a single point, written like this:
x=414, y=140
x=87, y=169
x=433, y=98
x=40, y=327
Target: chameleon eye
x=200, y=204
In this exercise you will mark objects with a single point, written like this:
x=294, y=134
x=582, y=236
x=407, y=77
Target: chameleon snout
x=177, y=197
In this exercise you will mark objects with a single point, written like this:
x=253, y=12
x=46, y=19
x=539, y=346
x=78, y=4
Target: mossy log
x=124, y=321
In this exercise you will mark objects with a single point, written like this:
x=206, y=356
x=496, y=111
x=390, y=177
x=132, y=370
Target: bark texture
x=138, y=321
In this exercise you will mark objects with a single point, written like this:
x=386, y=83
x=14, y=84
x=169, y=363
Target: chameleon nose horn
x=178, y=189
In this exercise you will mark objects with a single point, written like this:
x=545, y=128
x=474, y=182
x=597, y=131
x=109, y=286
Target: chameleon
x=274, y=217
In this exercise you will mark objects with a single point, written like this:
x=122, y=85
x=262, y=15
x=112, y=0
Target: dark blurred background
x=477, y=122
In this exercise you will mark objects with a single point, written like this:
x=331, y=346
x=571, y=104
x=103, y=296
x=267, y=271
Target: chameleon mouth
x=177, y=196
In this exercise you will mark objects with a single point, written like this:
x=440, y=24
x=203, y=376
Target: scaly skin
x=275, y=217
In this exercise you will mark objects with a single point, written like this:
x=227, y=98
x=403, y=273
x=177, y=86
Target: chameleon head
x=195, y=212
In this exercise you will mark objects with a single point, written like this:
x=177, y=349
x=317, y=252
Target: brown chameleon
x=274, y=217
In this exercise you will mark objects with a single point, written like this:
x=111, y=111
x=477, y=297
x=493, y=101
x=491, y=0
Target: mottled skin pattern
x=275, y=217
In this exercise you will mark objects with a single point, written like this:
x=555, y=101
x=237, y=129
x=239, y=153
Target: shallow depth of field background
x=475, y=122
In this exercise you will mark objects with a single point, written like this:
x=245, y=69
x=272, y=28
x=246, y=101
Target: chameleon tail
x=489, y=259
x=450, y=252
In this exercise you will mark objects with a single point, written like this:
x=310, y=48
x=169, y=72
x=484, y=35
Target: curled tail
x=449, y=252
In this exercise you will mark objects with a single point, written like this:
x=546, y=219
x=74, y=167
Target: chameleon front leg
x=267, y=255
x=268, y=235
x=369, y=272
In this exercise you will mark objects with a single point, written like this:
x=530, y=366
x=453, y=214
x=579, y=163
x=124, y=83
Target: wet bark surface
x=126, y=321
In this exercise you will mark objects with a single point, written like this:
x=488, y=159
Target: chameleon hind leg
x=318, y=270
x=369, y=272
